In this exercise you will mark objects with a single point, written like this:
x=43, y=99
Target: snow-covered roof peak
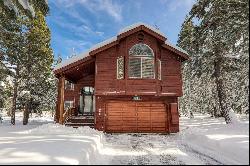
x=135, y=25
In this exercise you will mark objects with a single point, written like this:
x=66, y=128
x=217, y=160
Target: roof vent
x=140, y=36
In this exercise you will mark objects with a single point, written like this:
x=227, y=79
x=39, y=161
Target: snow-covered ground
x=202, y=140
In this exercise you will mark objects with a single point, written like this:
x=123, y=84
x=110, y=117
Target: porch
x=76, y=104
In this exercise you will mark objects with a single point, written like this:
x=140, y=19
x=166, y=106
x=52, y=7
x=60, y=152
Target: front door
x=87, y=101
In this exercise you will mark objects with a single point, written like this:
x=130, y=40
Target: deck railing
x=69, y=113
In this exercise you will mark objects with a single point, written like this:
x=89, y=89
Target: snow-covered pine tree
x=186, y=41
x=39, y=60
x=15, y=18
x=221, y=32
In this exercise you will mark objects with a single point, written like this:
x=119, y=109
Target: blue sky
x=80, y=24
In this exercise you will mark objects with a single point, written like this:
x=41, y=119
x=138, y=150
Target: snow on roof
x=176, y=47
x=110, y=40
x=99, y=45
x=71, y=60
x=139, y=24
x=85, y=54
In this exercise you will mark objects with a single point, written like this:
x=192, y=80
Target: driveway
x=144, y=149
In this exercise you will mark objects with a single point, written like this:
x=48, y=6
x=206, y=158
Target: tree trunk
x=13, y=109
x=25, y=114
x=220, y=89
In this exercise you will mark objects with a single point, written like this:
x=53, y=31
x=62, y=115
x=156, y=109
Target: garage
x=134, y=116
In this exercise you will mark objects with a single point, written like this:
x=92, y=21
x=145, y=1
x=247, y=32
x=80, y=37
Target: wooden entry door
x=131, y=116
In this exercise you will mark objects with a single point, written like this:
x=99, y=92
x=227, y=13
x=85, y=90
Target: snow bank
x=51, y=144
x=202, y=140
x=233, y=117
x=226, y=143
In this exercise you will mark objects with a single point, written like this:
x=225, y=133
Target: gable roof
x=113, y=40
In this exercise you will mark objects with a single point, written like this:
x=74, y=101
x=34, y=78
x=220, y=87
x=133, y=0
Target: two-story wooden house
x=129, y=83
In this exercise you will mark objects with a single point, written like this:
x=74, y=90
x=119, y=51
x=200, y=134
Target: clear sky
x=80, y=24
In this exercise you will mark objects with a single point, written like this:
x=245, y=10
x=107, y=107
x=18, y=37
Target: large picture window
x=141, y=62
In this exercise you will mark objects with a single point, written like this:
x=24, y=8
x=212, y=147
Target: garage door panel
x=158, y=128
x=144, y=129
x=144, y=118
x=143, y=125
x=158, y=116
x=115, y=114
x=114, y=117
x=157, y=105
x=129, y=113
x=143, y=109
x=127, y=116
x=158, y=124
x=113, y=128
x=129, y=128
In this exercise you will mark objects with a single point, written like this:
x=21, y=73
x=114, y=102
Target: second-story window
x=141, y=62
x=69, y=85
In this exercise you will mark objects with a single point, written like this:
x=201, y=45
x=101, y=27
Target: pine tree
x=39, y=59
x=221, y=35
x=16, y=21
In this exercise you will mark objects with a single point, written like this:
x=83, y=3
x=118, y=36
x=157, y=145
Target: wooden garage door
x=145, y=117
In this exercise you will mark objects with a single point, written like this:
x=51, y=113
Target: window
x=141, y=62
x=68, y=104
x=120, y=68
x=87, y=90
x=69, y=85
x=159, y=69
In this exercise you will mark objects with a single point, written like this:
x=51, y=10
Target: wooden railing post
x=61, y=98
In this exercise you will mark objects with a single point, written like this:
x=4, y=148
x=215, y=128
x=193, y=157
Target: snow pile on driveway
x=225, y=143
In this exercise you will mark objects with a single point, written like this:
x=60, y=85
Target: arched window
x=141, y=62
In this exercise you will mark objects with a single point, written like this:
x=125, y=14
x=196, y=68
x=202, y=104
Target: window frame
x=159, y=69
x=141, y=57
x=72, y=86
x=117, y=69
x=70, y=102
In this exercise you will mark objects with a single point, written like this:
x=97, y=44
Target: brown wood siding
x=105, y=79
x=171, y=82
x=107, y=84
